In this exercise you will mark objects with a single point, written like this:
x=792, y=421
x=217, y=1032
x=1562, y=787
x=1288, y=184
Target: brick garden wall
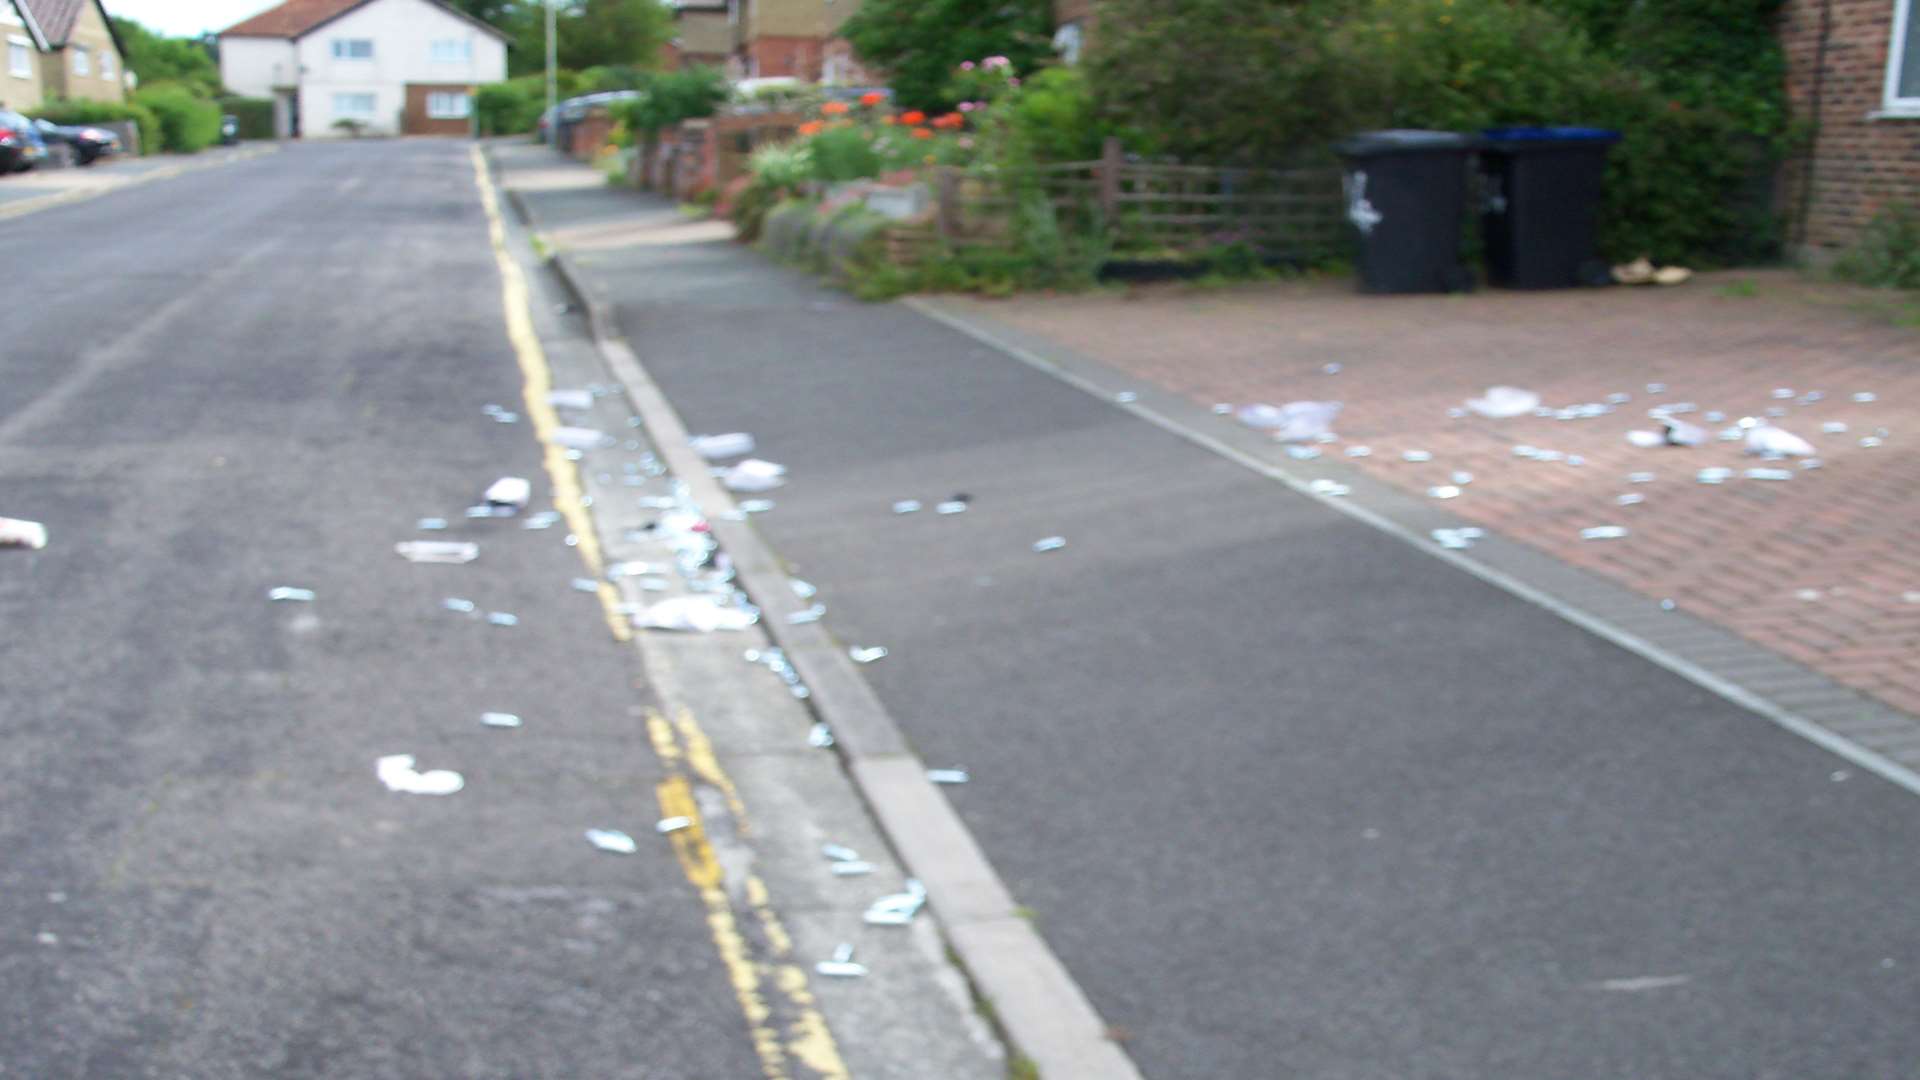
x=1858, y=164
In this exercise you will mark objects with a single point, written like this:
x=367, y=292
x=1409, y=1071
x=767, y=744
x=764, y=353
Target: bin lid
x=1550, y=134
x=1402, y=141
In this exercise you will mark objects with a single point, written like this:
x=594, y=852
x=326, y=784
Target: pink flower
x=966, y=65
x=966, y=106
x=1013, y=82
x=992, y=62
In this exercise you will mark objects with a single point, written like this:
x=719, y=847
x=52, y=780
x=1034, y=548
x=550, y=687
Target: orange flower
x=834, y=108
x=922, y=133
x=950, y=120
x=914, y=117
x=888, y=120
x=811, y=127
x=872, y=98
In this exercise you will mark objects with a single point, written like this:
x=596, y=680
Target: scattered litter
x=1126, y=397
x=586, y=585
x=852, y=868
x=1359, y=451
x=1767, y=439
x=1604, y=532
x=1776, y=412
x=1461, y=477
x=812, y=615
x=657, y=502
x=1619, y=398
x=1769, y=474
x=1869, y=442
x=1296, y=421
x=820, y=736
x=499, y=720
x=700, y=614
x=579, y=438
x=950, y=507
x=866, y=655
x=634, y=569
x=1576, y=460
x=1443, y=491
x=1782, y=394
x=1525, y=450
x=652, y=584
x=1811, y=397
x=1644, y=982
x=612, y=840
x=805, y=590
x=545, y=519
x=511, y=491
x=897, y=909
x=672, y=825
x=502, y=618
x=1456, y=539
x=1646, y=440
x=289, y=592
x=478, y=512
x=1811, y=463
x=504, y=417
x=755, y=506
x=1330, y=369
x=397, y=772
x=1807, y=594
x=1865, y=397
x=1328, y=487
x=1668, y=605
x=1303, y=453
x=570, y=399
x=455, y=603
x=1549, y=455
x=1714, y=475
x=1735, y=433
x=1416, y=455
x=1681, y=433
x=842, y=965
x=437, y=551
x=1656, y=388
x=1629, y=499
x=715, y=447
x=754, y=475
x=1834, y=427
x=948, y=776
x=1050, y=543
x=1640, y=478
x=906, y=506
x=430, y=524
x=1714, y=417
x=1504, y=402
x=839, y=853
x=1222, y=409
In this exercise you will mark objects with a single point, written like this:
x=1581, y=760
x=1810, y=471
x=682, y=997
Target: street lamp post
x=553, y=87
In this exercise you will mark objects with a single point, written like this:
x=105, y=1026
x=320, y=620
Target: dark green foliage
x=844, y=154
x=80, y=111
x=255, y=115
x=1888, y=251
x=601, y=33
x=188, y=123
x=667, y=99
x=155, y=59
x=920, y=42
x=1053, y=119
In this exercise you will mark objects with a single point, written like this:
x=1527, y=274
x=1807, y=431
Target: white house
x=381, y=66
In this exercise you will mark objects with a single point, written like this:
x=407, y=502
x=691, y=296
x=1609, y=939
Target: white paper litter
x=570, y=399
x=754, y=475
x=511, y=491
x=861, y=655
x=289, y=592
x=1646, y=440
x=499, y=720
x=1504, y=402
x=1604, y=532
x=437, y=551
x=579, y=438
x=715, y=447
x=22, y=534
x=612, y=840
x=1296, y=421
x=1767, y=439
x=699, y=614
x=397, y=772
x=1681, y=433
x=1328, y=487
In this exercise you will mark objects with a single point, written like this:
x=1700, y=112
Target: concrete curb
x=1868, y=734
x=62, y=198
x=1041, y=1010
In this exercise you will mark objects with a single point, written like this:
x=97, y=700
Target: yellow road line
x=538, y=383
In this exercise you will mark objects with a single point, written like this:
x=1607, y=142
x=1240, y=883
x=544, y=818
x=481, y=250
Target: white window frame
x=81, y=64
x=451, y=51
x=106, y=64
x=1892, y=104
x=19, y=57
x=437, y=100
x=345, y=48
x=372, y=110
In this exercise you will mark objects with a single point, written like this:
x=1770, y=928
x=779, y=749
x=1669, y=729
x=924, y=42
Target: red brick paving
x=1742, y=554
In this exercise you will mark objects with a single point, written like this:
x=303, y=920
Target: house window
x=448, y=106
x=20, y=58
x=452, y=51
x=82, y=65
x=353, y=106
x=1903, y=59
x=106, y=64
x=353, y=48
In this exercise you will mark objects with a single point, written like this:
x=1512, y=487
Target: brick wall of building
x=1858, y=163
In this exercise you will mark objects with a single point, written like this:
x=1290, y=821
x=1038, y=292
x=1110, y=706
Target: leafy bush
x=921, y=42
x=666, y=100
x=1888, y=251
x=188, y=123
x=77, y=111
x=1053, y=117
x=844, y=154
x=254, y=114
x=507, y=108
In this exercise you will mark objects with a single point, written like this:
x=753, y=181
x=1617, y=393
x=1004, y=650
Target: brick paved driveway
x=1823, y=568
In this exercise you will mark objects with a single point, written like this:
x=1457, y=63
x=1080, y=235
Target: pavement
x=265, y=379
x=1286, y=793
x=45, y=186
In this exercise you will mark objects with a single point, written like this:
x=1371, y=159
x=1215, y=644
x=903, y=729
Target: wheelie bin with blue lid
x=1542, y=205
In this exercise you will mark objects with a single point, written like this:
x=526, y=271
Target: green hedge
x=255, y=115
x=188, y=123
x=69, y=111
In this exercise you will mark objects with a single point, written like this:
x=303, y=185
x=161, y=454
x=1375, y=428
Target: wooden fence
x=1292, y=214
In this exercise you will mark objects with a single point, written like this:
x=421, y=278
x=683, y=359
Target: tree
x=613, y=33
x=502, y=15
x=921, y=42
x=154, y=59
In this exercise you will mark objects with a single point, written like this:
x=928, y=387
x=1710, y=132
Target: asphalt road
x=262, y=375
x=1289, y=798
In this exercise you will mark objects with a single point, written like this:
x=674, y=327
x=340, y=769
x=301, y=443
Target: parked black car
x=88, y=144
x=229, y=130
x=21, y=147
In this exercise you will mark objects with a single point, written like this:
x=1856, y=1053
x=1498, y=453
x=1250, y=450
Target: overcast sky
x=187, y=18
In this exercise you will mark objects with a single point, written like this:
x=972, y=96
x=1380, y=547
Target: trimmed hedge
x=188, y=123
x=72, y=111
x=255, y=115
